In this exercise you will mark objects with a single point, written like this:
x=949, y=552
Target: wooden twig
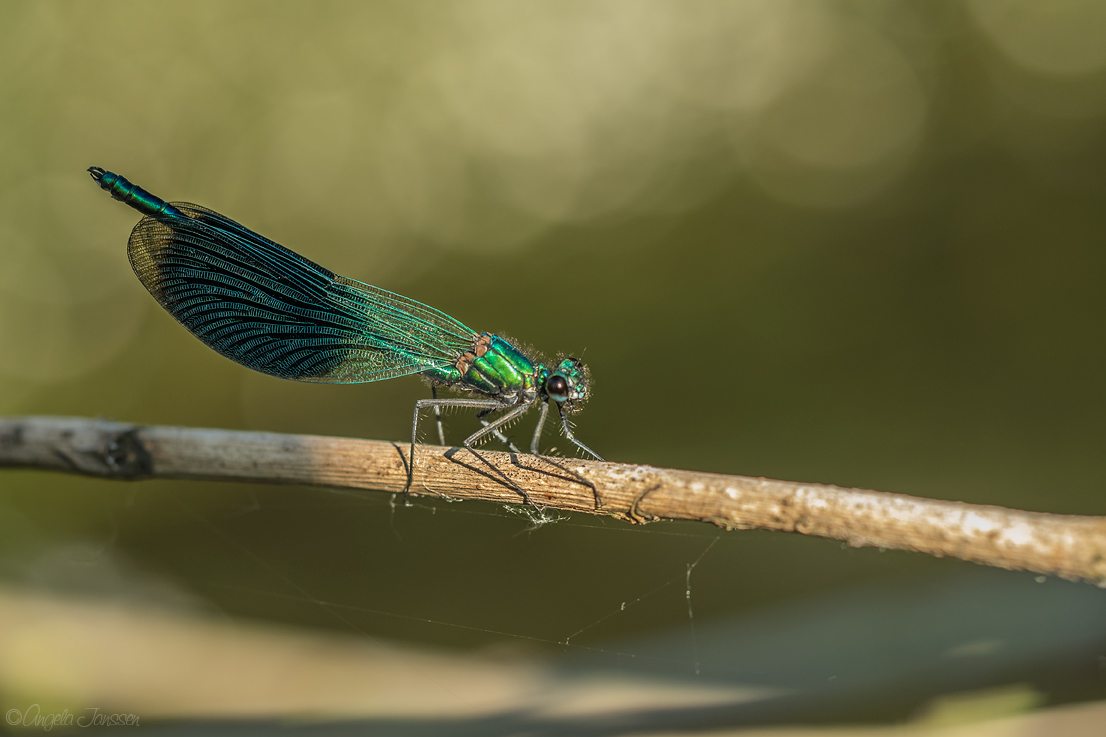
x=1070, y=546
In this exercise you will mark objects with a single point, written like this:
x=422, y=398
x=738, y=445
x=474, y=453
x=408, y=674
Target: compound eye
x=557, y=388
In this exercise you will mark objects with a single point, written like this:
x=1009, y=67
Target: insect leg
x=438, y=416
x=535, y=448
x=493, y=427
x=498, y=435
x=437, y=404
x=570, y=436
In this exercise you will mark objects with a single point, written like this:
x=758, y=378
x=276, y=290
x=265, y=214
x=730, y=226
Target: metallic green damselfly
x=274, y=311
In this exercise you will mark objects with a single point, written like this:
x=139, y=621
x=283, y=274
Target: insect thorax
x=492, y=366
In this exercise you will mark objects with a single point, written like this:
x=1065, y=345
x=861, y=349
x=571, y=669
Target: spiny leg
x=498, y=435
x=493, y=427
x=571, y=437
x=535, y=442
x=535, y=450
x=438, y=403
x=438, y=416
x=486, y=406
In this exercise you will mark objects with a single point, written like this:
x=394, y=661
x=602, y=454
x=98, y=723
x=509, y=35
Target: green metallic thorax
x=501, y=370
x=494, y=367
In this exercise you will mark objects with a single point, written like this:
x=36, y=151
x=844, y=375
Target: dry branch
x=1073, y=547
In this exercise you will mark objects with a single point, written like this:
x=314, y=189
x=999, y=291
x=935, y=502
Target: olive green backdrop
x=842, y=242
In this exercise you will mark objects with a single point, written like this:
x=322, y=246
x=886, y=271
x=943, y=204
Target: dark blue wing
x=272, y=310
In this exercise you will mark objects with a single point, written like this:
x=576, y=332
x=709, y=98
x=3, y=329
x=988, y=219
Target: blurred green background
x=857, y=243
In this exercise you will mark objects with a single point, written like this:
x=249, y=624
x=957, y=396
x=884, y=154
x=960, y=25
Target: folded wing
x=272, y=310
